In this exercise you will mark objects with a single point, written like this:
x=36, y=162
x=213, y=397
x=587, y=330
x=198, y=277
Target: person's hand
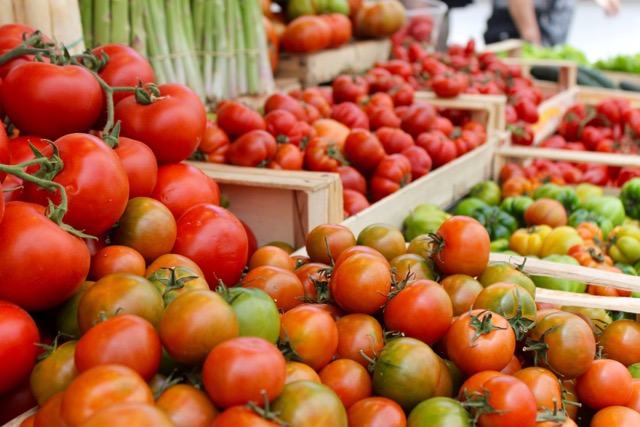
x=610, y=6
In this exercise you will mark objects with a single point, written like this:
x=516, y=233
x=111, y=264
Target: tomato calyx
x=172, y=282
x=49, y=349
x=265, y=411
x=540, y=348
x=372, y=360
x=477, y=404
x=33, y=44
x=520, y=324
x=287, y=350
x=483, y=326
x=558, y=415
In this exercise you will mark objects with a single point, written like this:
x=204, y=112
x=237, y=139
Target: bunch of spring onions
x=58, y=19
x=216, y=47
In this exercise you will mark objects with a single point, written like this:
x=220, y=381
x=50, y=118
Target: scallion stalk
x=101, y=22
x=138, y=34
x=120, y=25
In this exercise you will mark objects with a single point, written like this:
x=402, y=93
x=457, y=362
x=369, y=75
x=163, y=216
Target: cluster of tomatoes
x=610, y=126
x=368, y=128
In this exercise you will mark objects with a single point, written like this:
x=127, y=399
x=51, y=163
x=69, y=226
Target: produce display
x=132, y=295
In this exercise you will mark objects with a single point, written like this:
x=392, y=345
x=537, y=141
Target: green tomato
x=608, y=206
x=467, y=205
x=438, y=412
x=630, y=197
x=487, y=190
x=565, y=195
x=499, y=224
x=424, y=219
x=257, y=313
x=635, y=370
x=560, y=284
x=583, y=215
x=515, y=206
x=625, y=250
x=499, y=245
x=586, y=191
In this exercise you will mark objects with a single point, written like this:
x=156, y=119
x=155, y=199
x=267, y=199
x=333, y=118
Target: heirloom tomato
x=351, y=115
x=55, y=372
x=283, y=101
x=391, y=174
x=462, y=246
x=384, y=238
x=308, y=404
x=349, y=87
x=363, y=150
x=306, y=34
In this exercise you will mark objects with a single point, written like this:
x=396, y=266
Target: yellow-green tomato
x=586, y=191
x=528, y=241
x=560, y=240
x=626, y=250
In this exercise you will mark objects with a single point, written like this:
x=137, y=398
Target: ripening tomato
x=326, y=242
x=37, y=99
x=100, y=387
x=348, y=379
x=546, y=211
x=306, y=34
x=18, y=347
x=215, y=239
x=462, y=246
x=242, y=416
x=359, y=335
x=462, y=290
x=376, y=412
x=618, y=416
x=243, y=370
x=619, y=341
x=187, y=406
x=392, y=173
x=56, y=278
x=180, y=186
x=255, y=148
x=116, y=259
x=236, y=119
x=384, y=238
x=171, y=124
x=605, y=383
x=282, y=285
x=309, y=403
x=283, y=101
x=544, y=385
x=194, y=323
x=96, y=183
x=124, y=339
x=54, y=373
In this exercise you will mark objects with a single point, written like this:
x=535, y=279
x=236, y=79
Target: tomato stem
x=265, y=411
x=482, y=326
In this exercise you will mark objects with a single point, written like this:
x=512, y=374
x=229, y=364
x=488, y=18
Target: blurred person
x=443, y=34
x=540, y=22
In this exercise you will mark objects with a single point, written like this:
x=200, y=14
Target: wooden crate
x=511, y=48
x=279, y=205
x=552, y=110
x=324, y=66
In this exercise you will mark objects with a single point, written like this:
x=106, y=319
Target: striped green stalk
x=198, y=15
x=174, y=24
x=250, y=53
x=120, y=26
x=209, y=40
x=159, y=52
x=86, y=16
x=265, y=75
x=138, y=34
x=239, y=49
x=101, y=22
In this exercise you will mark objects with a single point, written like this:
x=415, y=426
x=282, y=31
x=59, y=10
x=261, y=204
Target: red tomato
x=129, y=413
x=242, y=416
x=140, y=164
x=527, y=110
x=214, y=144
x=447, y=86
x=511, y=399
x=56, y=278
x=96, y=183
x=38, y=99
x=236, y=119
x=353, y=201
x=439, y=147
x=618, y=416
x=463, y=246
x=5, y=153
x=323, y=154
x=172, y=125
x=418, y=118
x=352, y=179
x=127, y=340
x=282, y=101
x=619, y=341
x=363, y=150
x=383, y=117
x=283, y=286
x=16, y=401
x=348, y=379
x=215, y=239
x=394, y=140
x=311, y=333
x=287, y=157
x=306, y=34
x=243, y=370
x=280, y=123
x=480, y=340
x=194, y=323
x=419, y=159
x=187, y=406
x=376, y=412
x=349, y=114
x=11, y=36
x=181, y=186
x=100, y=387
x=605, y=383
x=116, y=259
x=392, y=173
x=18, y=349
x=348, y=88
x=255, y=148
x=422, y=299
x=359, y=335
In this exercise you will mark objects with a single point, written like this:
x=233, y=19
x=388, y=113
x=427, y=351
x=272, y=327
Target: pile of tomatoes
x=368, y=128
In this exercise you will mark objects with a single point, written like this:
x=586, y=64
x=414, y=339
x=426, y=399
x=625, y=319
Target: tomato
x=521, y=134
x=257, y=313
x=605, y=383
x=242, y=416
x=187, y=406
x=528, y=241
x=283, y=286
x=418, y=118
x=462, y=246
x=311, y=334
x=447, y=85
x=513, y=301
x=117, y=294
x=419, y=159
x=172, y=260
x=11, y=36
x=18, y=350
x=243, y=369
x=56, y=278
x=349, y=88
x=480, y=340
x=94, y=178
x=349, y=114
x=271, y=255
x=181, y=186
x=307, y=404
x=127, y=414
x=392, y=173
x=282, y=101
x=361, y=283
x=326, y=242
x=544, y=385
x=341, y=28
x=172, y=125
x=37, y=97
x=423, y=299
x=300, y=371
x=67, y=313
x=147, y=226
x=287, y=157
x=619, y=341
x=323, y=155
x=236, y=119
x=363, y=150
x=352, y=179
x=215, y=239
x=619, y=416
x=411, y=267
x=406, y=371
x=254, y=148
x=214, y=144
x=379, y=19
x=559, y=241
x=568, y=345
x=194, y=323
x=462, y=290
x=116, y=259
x=438, y=412
x=125, y=339
x=376, y=412
x=546, y=211
x=100, y=387
x=512, y=401
x=348, y=379
x=441, y=149
x=49, y=412
x=54, y=373
x=140, y=164
x=306, y=34
x=384, y=238
x=394, y=140
x=359, y=335
x=527, y=110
